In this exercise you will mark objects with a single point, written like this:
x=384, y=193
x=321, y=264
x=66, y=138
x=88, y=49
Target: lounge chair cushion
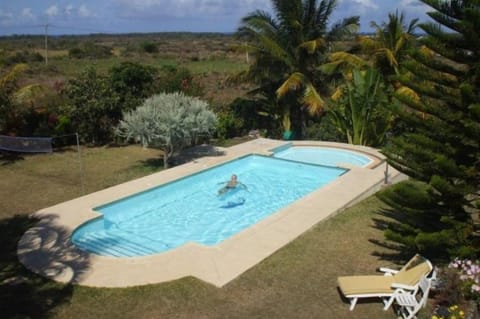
x=411, y=276
x=357, y=285
x=361, y=285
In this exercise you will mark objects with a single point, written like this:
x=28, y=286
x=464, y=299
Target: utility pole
x=246, y=52
x=46, y=43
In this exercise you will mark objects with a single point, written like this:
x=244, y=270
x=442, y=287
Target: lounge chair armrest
x=387, y=271
x=397, y=285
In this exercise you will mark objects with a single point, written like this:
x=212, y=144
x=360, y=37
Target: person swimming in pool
x=231, y=184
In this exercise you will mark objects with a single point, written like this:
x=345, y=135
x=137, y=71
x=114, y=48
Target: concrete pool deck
x=47, y=250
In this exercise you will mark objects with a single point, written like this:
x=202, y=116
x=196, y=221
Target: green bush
x=169, y=122
x=228, y=125
x=174, y=79
x=133, y=82
x=325, y=130
x=149, y=47
x=90, y=50
x=93, y=106
x=22, y=57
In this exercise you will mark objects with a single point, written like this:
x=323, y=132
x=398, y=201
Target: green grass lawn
x=298, y=281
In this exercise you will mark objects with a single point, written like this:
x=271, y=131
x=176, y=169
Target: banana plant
x=361, y=111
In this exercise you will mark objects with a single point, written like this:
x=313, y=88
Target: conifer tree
x=434, y=212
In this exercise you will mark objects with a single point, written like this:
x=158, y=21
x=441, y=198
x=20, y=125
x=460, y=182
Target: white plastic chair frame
x=410, y=302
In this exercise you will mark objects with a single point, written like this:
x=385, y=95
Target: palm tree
x=288, y=48
x=385, y=51
x=391, y=44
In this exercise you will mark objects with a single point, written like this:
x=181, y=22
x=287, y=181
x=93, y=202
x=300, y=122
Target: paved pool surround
x=47, y=249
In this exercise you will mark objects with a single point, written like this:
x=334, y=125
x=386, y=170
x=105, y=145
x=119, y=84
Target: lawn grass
x=32, y=182
x=298, y=281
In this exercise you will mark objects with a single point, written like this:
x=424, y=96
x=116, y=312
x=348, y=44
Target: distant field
x=211, y=58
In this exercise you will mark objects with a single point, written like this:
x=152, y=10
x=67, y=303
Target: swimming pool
x=190, y=209
x=322, y=156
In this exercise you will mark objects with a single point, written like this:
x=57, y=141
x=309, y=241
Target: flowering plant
x=452, y=312
x=469, y=272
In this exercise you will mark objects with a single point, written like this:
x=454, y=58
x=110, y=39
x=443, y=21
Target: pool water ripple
x=190, y=209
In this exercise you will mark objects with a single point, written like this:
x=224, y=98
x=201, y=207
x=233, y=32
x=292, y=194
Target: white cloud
x=360, y=5
x=27, y=13
x=414, y=6
x=68, y=9
x=6, y=17
x=52, y=11
x=367, y=4
x=84, y=12
x=187, y=8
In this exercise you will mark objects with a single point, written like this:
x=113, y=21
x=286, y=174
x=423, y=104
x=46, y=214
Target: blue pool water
x=323, y=156
x=190, y=209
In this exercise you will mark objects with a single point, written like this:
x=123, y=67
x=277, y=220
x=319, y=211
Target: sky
x=127, y=16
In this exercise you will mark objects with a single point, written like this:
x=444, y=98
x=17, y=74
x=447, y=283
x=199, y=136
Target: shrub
x=173, y=79
x=325, y=130
x=132, y=82
x=90, y=50
x=469, y=272
x=23, y=57
x=93, y=106
x=169, y=122
x=149, y=47
x=228, y=125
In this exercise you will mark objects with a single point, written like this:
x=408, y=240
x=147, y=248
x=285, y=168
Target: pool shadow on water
x=22, y=292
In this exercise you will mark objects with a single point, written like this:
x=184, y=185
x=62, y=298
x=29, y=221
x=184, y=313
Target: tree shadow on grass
x=152, y=163
x=8, y=158
x=196, y=152
x=24, y=294
x=397, y=253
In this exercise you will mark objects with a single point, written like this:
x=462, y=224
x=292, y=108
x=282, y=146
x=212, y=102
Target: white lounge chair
x=410, y=303
x=384, y=286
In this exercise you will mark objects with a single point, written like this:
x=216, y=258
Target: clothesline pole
x=82, y=177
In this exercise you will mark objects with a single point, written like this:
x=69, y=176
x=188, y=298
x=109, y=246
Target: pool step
x=114, y=244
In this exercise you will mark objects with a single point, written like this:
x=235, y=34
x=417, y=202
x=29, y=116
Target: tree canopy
x=168, y=121
x=440, y=149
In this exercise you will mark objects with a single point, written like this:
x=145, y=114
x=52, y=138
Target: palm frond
x=313, y=45
x=324, y=11
x=337, y=94
x=367, y=43
x=258, y=22
x=13, y=74
x=294, y=82
x=347, y=61
x=27, y=95
x=312, y=100
x=344, y=28
x=407, y=93
x=389, y=55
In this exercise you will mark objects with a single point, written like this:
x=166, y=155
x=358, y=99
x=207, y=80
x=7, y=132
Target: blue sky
x=124, y=16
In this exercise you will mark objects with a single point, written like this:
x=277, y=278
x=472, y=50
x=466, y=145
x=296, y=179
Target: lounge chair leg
x=387, y=302
x=353, y=302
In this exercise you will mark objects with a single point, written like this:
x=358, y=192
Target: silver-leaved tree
x=168, y=121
